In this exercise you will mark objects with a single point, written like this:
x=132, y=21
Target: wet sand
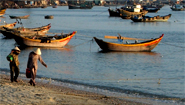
x=22, y=93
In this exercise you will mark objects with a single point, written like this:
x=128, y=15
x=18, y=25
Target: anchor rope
x=82, y=43
x=175, y=19
x=173, y=45
x=100, y=13
x=3, y=43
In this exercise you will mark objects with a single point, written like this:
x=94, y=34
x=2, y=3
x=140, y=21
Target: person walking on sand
x=32, y=65
x=14, y=63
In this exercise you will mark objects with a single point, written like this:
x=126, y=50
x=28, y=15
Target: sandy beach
x=22, y=93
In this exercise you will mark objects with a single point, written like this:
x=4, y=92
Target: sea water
x=157, y=76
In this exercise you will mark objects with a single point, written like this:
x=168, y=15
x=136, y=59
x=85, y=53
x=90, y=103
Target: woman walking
x=32, y=65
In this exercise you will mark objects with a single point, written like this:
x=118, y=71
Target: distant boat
x=151, y=19
x=44, y=6
x=56, y=41
x=49, y=17
x=130, y=11
x=145, y=46
x=115, y=12
x=108, y=5
x=85, y=5
x=24, y=31
x=152, y=10
x=54, y=6
x=178, y=7
x=2, y=12
x=6, y=31
x=19, y=17
x=10, y=25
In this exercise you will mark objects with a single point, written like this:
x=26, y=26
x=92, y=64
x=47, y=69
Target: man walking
x=14, y=63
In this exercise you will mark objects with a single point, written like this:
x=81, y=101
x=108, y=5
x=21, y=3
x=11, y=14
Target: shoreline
x=45, y=93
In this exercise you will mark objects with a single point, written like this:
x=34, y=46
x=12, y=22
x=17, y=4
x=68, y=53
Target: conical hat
x=37, y=51
x=16, y=48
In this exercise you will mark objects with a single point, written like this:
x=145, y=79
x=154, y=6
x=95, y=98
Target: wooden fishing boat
x=10, y=25
x=54, y=6
x=132, y=47
x=115, y=12
x=152, y=10
x=25, y=31
x=49, y=17
x=177, y=7
x=56, y=41
x=2, y=12
x=71, y=6
x=85, y=5
x=41, y=27
x=44, y=6
x=48, y=26
x=131, y=11
x=19, y=17
x=128, y=13
x=151, y=19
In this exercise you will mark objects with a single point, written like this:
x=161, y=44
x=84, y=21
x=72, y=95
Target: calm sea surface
x=81, y=65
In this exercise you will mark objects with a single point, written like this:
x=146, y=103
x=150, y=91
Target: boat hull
x=178, y=9
x=85, y=5
x=2, y=12
x=24, y=41
x=11, y=25
x=114, y=12
x=128, y=13
x=19, y=17
x=139, y=47
x=152, y=19
x=152, y=10
x=25, y=31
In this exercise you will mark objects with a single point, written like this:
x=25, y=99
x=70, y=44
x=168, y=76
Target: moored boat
x=152, y=10
x=2, y=12
x=41, y=27
x=145, y=46
x=19, y=17
x=56, y=41
x=177, y=7
x=25, y=31
x=115, y=12
x=10, y=25
x=127, y=12
x=85, y=5
x=49, y=17
x=151, y=19
x=44, y=6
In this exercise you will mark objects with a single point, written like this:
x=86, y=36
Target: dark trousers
x=14, y=69
x=33, y=76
